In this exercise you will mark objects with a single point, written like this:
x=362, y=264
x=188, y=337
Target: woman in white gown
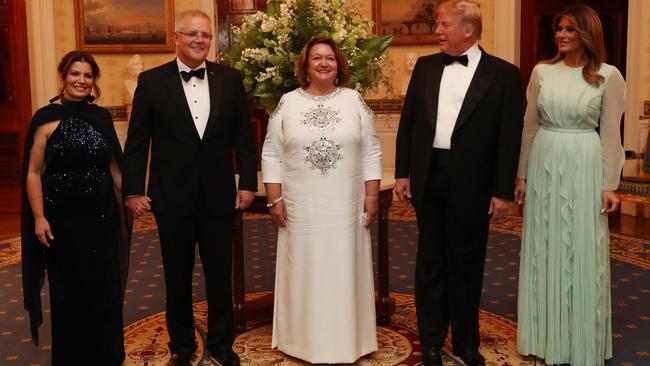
x=321, y=166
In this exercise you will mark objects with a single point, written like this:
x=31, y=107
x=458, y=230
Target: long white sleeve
x=612, y=109
x=531, y=121
x=272, y=149
x=372, y=159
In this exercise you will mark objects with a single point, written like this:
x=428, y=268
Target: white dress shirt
x=454, y=83
x=197, y=93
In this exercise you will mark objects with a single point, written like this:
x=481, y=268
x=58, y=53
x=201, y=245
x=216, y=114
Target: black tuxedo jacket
x=186, y=170
x=485, y=142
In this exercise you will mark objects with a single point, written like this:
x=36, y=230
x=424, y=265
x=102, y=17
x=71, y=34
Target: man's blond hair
x=469, y=11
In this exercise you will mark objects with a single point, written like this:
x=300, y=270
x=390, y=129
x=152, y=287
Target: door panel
x=15, y=104
x=537, y=34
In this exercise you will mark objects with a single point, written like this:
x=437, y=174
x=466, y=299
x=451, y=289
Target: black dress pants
x=178, y=237
x=449, y=264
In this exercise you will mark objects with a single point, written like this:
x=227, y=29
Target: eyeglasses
x=201, y=35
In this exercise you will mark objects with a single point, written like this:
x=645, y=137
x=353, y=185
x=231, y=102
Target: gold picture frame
x=408, y=21
x=114, y=26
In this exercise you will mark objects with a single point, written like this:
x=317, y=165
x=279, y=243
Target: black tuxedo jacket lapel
x=432, y=93
x=177, y=95
x=480, y=83
x=215, y=95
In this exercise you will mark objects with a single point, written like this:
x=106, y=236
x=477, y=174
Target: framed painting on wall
x=242, y=5
x=125, y=26
x=408, y=21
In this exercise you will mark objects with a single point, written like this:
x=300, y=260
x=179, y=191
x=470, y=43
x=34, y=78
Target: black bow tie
x=460, y=59
x=199, y=73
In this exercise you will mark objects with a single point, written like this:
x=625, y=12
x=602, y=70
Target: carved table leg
x=384, y=303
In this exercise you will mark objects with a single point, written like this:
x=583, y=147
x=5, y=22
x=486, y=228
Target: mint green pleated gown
x=564, y=304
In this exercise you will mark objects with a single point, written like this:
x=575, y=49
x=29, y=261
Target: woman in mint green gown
x=570, y=163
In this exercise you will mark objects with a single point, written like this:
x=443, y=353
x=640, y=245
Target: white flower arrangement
x=267, y=44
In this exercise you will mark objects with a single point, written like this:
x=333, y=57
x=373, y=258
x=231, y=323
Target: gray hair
x=191, y=13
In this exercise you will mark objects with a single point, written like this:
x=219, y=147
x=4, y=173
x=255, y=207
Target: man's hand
x=244, y=199
x=138, y=205
x=498, y=207
x=403, y=190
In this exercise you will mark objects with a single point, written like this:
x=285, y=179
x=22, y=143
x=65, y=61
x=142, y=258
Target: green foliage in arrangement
x=266, y=46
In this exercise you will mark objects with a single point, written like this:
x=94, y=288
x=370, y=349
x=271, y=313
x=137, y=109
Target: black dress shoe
x=180, y=359
x=225, y=357
x=432, y=357
x=471, y=358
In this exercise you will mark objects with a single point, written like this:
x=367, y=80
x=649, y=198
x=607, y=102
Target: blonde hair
x=469, y=11
x=590, y=30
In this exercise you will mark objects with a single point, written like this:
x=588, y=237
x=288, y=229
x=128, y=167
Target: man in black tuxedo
x=192, y=113
x=456, y=162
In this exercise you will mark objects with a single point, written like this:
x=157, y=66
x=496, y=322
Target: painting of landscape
x=123, y=25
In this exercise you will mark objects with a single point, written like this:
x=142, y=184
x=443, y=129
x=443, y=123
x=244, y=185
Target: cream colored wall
x=112, y=65
x=645, y=40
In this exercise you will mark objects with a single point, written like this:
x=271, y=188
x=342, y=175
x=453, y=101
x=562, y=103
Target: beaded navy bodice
x=77, y=177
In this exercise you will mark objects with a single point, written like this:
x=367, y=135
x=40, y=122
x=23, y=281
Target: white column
x=635, y=131
x=507, y=30
x=42, y=57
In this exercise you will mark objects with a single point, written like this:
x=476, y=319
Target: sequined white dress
x=322, y=150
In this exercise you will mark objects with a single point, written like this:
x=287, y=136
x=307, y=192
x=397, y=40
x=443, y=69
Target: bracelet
x=372, y=195
x=275, y=202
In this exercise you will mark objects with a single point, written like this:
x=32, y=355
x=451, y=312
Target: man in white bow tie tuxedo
x=193, y=113
x=456, y=162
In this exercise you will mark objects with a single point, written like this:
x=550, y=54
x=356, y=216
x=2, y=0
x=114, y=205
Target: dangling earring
x=336, y=81
x=308, y=80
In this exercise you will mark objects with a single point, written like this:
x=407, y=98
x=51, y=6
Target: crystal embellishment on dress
x=319, y=98
x=277, y=109
x=323, y=154
x=365, y=106
x=321, y=118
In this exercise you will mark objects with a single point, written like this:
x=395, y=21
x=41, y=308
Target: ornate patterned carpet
x=146, y=336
